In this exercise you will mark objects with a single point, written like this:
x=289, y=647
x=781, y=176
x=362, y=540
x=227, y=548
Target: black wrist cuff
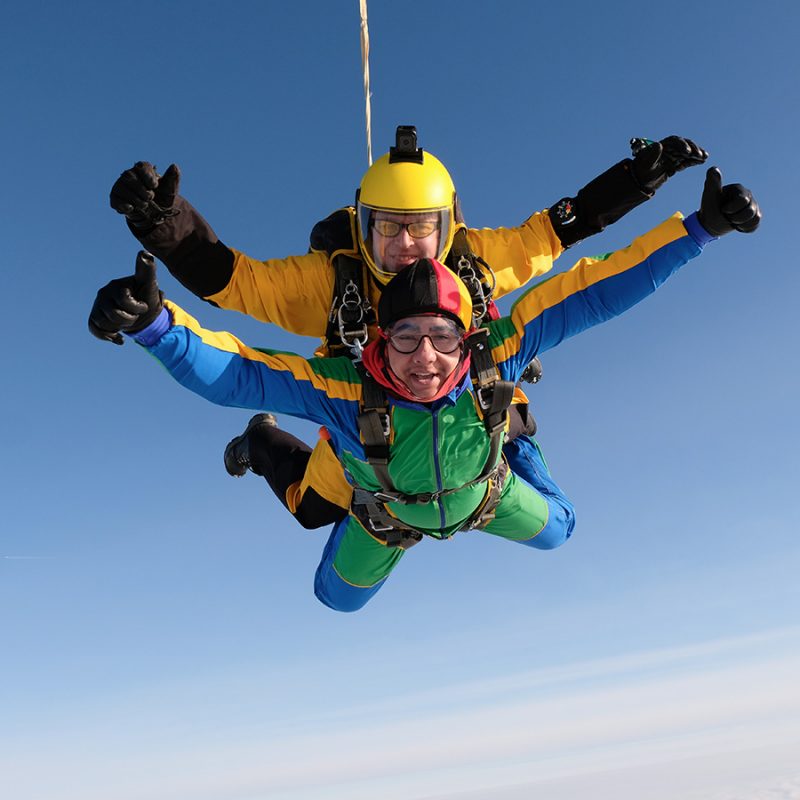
x=600, y=203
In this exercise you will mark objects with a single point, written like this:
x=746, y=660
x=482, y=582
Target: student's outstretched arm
x=217, y=365
x=598, y=289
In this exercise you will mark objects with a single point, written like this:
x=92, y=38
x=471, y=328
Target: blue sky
x=160, y=638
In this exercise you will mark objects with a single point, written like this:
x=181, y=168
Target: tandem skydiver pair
x=406, y=208
x=411, y=417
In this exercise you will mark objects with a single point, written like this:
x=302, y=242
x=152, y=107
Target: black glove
x=727, y=208
x=145, y=197
x=654, y=162
x=621, y=188
x=127, y=304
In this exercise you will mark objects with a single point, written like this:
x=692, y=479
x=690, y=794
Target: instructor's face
x=395, y=253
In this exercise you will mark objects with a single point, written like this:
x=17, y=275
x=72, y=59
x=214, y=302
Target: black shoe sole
x=236, y=465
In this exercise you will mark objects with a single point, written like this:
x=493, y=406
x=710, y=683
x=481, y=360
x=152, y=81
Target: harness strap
x=474, y=271
x=351, y=312
x=486, y=512
x=379, y=523
x=393, y=532
x=460, y=247
x=494, y=395
x=374, y=426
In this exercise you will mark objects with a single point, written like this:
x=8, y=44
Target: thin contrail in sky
x=26, y=558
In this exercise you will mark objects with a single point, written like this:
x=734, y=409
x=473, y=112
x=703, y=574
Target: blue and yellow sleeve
x=225, y=371
x=594, y=290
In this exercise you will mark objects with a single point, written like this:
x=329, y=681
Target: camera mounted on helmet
x=405, y=148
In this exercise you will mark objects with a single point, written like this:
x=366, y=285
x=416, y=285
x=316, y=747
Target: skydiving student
x=406, y=208
x=415, y=424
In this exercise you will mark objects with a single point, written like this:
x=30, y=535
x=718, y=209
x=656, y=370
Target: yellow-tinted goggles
x=416, y=230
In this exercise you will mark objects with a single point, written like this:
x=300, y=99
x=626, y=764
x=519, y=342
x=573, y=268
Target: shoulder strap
x=477, y=276
x=373, y=424
x=494, y=395
x=351, y=312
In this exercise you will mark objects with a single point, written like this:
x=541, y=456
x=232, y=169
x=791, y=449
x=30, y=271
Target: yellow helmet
x=403, y=183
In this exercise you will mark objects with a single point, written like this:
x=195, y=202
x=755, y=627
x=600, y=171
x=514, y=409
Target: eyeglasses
x=407, y=342
x=416, y=230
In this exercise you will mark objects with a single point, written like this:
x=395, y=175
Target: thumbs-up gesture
x=127, y=304
x=145, y=197
x=727, y=208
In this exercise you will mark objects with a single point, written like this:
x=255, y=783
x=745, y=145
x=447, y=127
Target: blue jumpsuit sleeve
x=593, y=291
x=225, y=371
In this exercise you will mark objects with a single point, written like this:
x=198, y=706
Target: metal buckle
x=356, y=347
x=484, y=403
x=352, y=303
x=386, y=497
x=378, y=528
x=473, y=279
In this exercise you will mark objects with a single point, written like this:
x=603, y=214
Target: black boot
x=533, y=372
x=237, y=453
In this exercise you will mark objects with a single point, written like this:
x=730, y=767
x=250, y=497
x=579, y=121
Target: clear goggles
x=446, y=337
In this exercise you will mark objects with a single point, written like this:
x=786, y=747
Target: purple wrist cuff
x=696, y=230
x=154, y=331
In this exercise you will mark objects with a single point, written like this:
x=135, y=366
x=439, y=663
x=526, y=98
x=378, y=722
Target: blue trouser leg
x=353, y=568
x=526, y=461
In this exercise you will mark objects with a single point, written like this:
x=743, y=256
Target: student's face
x=395, y=253
x=426, y=369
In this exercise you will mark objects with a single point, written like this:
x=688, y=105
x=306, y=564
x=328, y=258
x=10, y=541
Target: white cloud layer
x=719, y=721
